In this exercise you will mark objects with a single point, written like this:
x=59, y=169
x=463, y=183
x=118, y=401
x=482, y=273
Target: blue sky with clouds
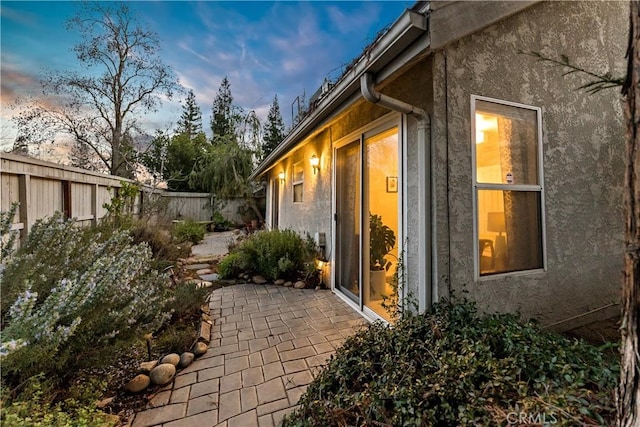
x=265, y=48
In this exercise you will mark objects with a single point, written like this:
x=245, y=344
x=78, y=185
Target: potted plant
x=382, y=240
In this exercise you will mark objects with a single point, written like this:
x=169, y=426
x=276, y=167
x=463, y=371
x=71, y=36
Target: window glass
x=508, y=218
x=298, y=181
x=509, y=230
x=506, y=140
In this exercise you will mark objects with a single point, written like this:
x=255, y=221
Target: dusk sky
x=265, y=48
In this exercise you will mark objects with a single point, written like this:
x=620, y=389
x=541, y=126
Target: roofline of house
x=402, y=33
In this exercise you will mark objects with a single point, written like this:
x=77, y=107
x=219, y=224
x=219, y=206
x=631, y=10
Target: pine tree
x=222, y=117
x=191, y=119
x=274, y=131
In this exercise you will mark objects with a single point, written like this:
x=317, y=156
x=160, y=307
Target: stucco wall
x=315, y=214
x=583, y=143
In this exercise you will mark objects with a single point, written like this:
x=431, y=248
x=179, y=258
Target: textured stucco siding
x=315, y=214
x=583, y=145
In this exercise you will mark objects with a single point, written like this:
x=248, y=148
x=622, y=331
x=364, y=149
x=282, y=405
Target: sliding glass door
x=348, y=220
x=368, y=216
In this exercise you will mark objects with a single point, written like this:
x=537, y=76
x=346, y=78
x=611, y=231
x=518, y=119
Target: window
x=508, y=192
x=298, y=182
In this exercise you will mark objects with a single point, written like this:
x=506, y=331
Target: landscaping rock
x=185, y=359
x=199, y=349
x=204, y=284
x=104, y=402
x=205, y=309
x=299, y=284
x=259, y=280
x=138, y=383
x=318, y=288
x=288, y=284
x=146, y=367
x=279, y=282
x=172, y=358
x=197, y=266
x=163, y=374
x=206, y=318
x=204, y=271
x=209, y=277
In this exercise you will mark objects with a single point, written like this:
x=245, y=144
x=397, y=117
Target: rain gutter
x=426, y=261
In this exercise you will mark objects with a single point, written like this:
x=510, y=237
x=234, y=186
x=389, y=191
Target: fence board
x=40, y=186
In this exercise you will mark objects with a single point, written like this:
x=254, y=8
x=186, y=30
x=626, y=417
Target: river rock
x=137, y=384
x=199, y=349
x=163, y=374
x=172, y=358
x=104, y=402
x=146, y=367
x=299, y=284
x=287, y=284
x=185, y=359
x=204, y=284
x=204, y=271
x=259, y=280
x=279, y=282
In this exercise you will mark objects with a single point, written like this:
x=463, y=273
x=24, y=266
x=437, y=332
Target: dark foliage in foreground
x=454, y=367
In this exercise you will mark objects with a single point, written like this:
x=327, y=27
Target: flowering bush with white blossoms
x=70, y=293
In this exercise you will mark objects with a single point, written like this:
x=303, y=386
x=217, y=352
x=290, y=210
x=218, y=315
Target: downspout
x=426, y=267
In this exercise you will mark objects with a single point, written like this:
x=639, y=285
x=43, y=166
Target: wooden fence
x=43, y=188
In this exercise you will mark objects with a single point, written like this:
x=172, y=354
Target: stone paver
x=267, y=343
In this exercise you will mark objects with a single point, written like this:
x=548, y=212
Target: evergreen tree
x=274, y=131
x=222, y=116
x=191, y=119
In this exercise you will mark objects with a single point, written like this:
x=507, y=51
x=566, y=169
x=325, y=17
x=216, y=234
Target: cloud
x=19, y=17
x=356, y=20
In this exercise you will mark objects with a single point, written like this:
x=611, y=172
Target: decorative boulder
x=172, y=358
x=163, y=374
x=287, y=284
x=259, y=280
x=199, y=349
x=299, y=284
x=137, y=384
x=185, y=359
x=146, y=367
x=279, y=282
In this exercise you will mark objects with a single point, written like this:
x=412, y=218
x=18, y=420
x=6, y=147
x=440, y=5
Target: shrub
x=189, y=231
x=7, y=236
x=453, y=367
x=188, y=298
x=164, y=246
x=232, y=265
x=36, y=408
x=272, y=254
x=71, y=282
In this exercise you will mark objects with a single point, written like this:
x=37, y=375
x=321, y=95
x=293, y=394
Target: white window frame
x=539, y=188
x=295, y=182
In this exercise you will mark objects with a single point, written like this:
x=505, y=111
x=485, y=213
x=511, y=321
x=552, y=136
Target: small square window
x=298, y=182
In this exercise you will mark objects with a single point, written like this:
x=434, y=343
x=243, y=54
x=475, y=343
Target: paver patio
x=267, y=342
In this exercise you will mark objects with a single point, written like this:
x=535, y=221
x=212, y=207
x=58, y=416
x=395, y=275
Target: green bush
x=36, y=408
x=188, y=298
x=453, y=367
x=165, y=248
x=70, y=294
x=272, y=254
x=232, y=265
x=189, y=231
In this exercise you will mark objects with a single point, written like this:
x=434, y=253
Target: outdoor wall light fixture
x=281, y=176
x=315, y=163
